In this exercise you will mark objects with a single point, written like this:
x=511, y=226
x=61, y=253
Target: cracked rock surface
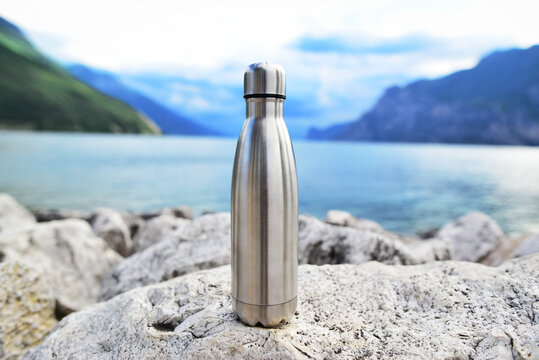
x=457, y=310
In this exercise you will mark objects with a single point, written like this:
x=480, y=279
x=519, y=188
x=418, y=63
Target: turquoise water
x=405, y=187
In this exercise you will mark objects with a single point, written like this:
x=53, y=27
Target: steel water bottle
x=264, y=205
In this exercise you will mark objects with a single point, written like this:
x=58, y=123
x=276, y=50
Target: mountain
x=167, y=120
x=37, y=94
x=496, y=102
x=327, y=133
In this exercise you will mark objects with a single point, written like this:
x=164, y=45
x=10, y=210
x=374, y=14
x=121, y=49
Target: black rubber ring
x=278, y=96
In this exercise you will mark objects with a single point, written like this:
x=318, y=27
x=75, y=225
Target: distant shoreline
x=298, y=139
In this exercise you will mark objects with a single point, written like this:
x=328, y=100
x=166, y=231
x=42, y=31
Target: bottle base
x=267, y=315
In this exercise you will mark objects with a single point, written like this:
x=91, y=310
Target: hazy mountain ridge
x=168, y=121
x=496, y=102
x=37, y=94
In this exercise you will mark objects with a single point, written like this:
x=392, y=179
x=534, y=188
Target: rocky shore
x=121, y=285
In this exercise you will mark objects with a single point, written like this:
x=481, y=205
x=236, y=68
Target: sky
x=339, y=55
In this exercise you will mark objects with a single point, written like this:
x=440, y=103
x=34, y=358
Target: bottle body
x=264, y=209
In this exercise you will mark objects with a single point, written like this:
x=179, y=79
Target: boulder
x=473, y=236
x=26, y=309
x=439, y=310
x=110, y=225
x=321, y=243
x=12, y=214
x=185, y=246
x=71, y=257
x=156, y=230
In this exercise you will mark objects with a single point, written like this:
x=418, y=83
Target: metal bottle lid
x=264, y=79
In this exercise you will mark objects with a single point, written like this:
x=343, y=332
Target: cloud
x=199, y=103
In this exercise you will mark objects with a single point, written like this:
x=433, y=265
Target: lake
x=405, y=187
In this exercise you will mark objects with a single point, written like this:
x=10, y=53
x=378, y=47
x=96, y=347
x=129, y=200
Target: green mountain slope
x=37, y=94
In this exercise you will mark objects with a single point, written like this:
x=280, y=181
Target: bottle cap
x=264, y=79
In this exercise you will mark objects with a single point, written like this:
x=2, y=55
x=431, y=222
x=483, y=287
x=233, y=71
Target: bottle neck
x=264, y=107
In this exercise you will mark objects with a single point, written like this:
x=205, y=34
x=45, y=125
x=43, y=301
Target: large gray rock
x=26, y=309
x=473, y=236
x=71, y=257
x=110, y=225
x=440, y=310
x=156, y=230
x=321, y=243
x=12, y=214
x=184, y=247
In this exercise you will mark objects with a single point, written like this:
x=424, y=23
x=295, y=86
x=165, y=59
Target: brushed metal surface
x=264, y=209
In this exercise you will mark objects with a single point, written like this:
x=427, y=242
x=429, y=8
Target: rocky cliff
x=496, y=102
